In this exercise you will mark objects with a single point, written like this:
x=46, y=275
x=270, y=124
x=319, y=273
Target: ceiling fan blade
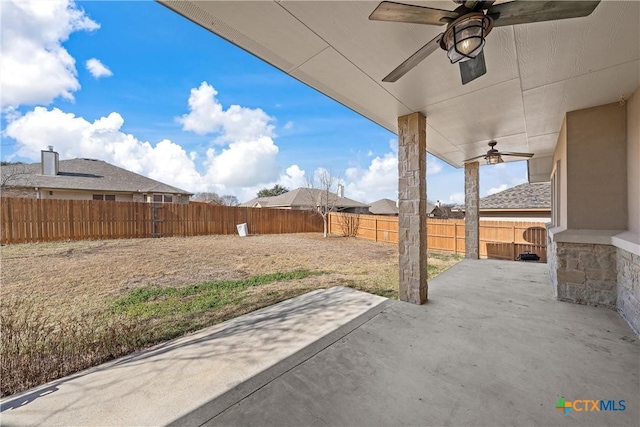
x=524, y=12
x=506, y=153
x=398, y=12
x=473, y=68
x=475, y=158
x=414, y=60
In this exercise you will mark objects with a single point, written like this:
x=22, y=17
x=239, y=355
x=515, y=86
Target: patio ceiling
x=536, y=72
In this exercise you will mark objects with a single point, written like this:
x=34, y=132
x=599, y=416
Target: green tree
x=275, y=191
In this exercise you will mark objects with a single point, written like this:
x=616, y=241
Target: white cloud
x=288, y=125
x=35, y=68
x=250, y=157
x=494, y=190
x=244, y=163
x=379, y=180
x=434, y=165
x=97, y=68
x=293, y=178
x=206, y=115
x=457, y=198
x=73, y=136
x=241, y=167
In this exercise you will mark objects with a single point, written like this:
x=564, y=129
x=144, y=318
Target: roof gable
x=523, y=196
x=384, y=207
x=305, y=197
x=88, y=175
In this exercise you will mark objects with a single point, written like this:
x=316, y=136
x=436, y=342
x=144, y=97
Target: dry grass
x=58, y=299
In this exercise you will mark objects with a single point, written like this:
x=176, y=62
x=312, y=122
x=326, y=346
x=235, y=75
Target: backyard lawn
x=70, y=305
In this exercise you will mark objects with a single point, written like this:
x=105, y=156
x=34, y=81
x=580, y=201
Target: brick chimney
x=49, y=162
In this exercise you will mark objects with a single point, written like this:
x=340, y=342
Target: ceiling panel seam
x=545, y=134
x=500, y=137
x=346, y=58
x=443, y=137
x=524, y=108
x=467, y=93
x=294, y=69
x=581, y=75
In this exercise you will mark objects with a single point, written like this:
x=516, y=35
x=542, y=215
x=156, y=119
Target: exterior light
x=464, y=38
x=494, y=158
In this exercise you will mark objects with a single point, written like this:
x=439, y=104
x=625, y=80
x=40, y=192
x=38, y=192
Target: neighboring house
x=306, y=199
x=84, y=179
x=444, y=212
x=524, y=202
x=384, y=207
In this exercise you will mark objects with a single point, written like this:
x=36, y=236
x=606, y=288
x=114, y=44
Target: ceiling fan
x=494, y=156
x=469, y=24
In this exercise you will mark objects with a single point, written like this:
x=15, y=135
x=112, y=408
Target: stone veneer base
x=584, y=273
x=628, y=301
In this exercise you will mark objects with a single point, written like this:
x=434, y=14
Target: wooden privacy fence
x=39, y=220
x=498, y=239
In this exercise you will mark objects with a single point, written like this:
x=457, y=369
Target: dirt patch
x=67, y=275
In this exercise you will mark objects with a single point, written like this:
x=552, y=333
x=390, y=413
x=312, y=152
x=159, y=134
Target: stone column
x=412, y=217
x=471, y=210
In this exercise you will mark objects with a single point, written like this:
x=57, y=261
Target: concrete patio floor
x=491, y=347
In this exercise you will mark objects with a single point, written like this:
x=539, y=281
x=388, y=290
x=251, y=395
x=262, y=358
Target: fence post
x=513, y=241
x=375, y=229
x=455, y=238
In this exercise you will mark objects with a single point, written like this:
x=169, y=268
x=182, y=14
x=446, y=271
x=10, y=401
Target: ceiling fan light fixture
x=464, y=39
x=494, y=158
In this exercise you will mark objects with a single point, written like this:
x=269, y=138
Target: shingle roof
x=524, y=196
x=262, y=201
x=87, y=174
x=384, y=207
x=304, y=197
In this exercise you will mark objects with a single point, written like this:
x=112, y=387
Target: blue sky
x=137, y=85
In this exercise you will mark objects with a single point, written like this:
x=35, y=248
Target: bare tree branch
x=229, y=200
x=16, y=175
x=322, y=193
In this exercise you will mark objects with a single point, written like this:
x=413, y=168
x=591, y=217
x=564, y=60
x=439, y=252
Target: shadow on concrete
x=180, y=378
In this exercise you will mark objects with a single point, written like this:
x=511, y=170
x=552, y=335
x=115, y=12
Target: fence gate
x=156, y=219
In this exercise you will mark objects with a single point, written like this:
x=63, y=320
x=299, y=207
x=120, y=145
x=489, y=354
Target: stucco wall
x=80, y=195
x=560, y=159
x=597, y=168
x=19, y=192
x=633, y=160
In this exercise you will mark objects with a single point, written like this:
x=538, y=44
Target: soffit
x=536, y=72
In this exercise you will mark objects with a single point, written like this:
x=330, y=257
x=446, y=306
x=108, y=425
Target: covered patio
x=561, y=89
x=492, y=347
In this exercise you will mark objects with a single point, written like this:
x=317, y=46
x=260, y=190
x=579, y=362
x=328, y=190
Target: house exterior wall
x=520, y=215
x=81, y=195
x=559, y=169
x=597, y=168
x=633, y=161
x=628, y=242
x=52, y=193
x=19, y=192
x=594, y=244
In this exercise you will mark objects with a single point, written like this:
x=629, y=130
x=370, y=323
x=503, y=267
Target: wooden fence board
x=37, y=220
x=498, y=239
